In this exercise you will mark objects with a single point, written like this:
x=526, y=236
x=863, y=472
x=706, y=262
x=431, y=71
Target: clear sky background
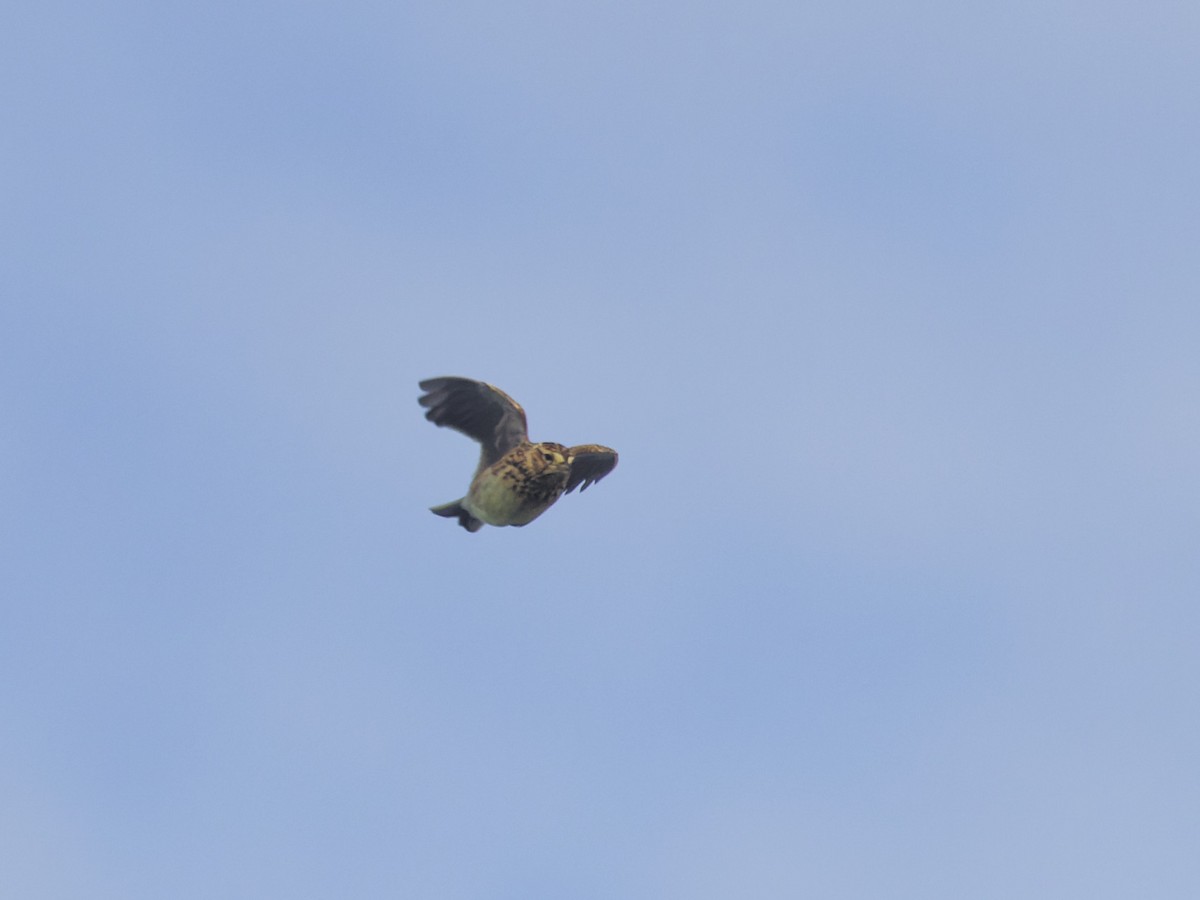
x=891, y=309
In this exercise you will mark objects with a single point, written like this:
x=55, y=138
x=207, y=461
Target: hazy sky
x=891, y=309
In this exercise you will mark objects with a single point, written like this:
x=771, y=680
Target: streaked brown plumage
x=516, y=480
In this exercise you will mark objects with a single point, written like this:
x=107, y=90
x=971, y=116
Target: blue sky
x=890, y=309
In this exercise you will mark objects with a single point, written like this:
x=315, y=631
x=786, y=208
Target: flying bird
x=516, y=480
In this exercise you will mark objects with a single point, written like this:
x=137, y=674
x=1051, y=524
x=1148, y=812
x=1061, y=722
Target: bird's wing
x=589, y=463
x=479, y=411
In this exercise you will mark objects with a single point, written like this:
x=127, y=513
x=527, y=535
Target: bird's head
x=550, y=459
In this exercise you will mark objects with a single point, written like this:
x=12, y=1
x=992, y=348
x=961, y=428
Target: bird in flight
x=517, y=480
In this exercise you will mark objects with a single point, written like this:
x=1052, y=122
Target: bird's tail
x=454, y=509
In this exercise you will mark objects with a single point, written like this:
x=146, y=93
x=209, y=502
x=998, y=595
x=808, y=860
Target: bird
x=517, y=480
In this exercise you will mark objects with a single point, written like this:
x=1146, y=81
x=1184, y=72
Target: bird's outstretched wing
x=479, y=411
x=589, y=463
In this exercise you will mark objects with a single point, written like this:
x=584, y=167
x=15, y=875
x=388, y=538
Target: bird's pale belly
x=500, y=500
